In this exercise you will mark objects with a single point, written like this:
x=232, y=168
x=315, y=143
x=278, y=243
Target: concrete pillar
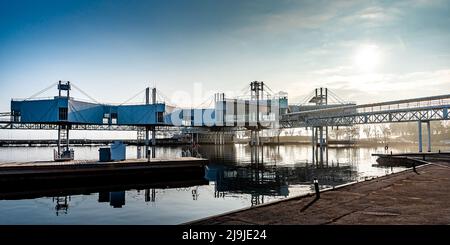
x=147, y=136
x=321, y=145
x=419, y=123
x=313, y=143
x=67, y=138
x=153, y=136
x=153, y=142
x=429, y=136
x=321, y=137
x=154, y=96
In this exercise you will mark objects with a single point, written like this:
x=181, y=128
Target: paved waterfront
x=403, y=198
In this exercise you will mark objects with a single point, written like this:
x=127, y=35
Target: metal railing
x=408, y=104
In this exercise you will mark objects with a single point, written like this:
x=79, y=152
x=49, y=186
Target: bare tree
x=367, y=129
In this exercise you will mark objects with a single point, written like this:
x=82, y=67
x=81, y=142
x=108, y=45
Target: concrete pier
x=407, y=197
x=26, y=175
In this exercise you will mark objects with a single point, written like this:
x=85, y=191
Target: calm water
x=238, y=176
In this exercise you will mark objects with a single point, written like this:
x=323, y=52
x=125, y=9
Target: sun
x=367, y=57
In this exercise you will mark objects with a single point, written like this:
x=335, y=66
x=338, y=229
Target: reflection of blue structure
x=117, y=199
x=103, y=197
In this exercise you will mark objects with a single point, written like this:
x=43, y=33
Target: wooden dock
x=21, y=176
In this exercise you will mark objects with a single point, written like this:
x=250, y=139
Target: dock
x=407, y=197
x=41, y=175
x=415, y=154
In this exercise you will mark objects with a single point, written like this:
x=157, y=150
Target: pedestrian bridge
x=260, y=108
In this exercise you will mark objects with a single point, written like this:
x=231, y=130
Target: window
x=63, y=113
x=16, y=116
x=105, y=118
x=160, y=116
x=114, y=118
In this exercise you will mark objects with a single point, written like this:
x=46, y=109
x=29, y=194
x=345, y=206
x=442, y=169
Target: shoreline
x=382, y=200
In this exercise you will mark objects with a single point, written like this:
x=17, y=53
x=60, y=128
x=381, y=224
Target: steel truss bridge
x=318, y=117
x=417, y=109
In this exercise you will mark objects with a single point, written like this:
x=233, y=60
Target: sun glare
x=367, y=57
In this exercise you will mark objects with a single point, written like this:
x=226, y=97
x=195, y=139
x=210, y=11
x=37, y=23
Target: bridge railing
x=405, y=104
x=408, y=104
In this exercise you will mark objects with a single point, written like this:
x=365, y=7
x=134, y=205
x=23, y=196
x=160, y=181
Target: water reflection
x=261, y=179
x=237, y=176
x=62, y=204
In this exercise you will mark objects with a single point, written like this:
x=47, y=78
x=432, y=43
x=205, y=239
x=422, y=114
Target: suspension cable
x=134, y=96
x=42, y=91
x=84, y=93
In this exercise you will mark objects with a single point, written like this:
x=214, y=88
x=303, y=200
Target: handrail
x=395, y=102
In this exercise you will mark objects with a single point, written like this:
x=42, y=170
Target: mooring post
x=316, y=188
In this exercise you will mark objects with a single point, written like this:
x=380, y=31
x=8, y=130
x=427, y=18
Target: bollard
x=414, y=167
x=316, y=187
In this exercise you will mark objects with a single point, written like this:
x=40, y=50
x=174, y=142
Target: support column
x=321, y=137
x=59, y=139
x=67, y=138
x=153, y=142
x=313, y=142
x=147, y=128
x=419, y=123
x=147, y=135
x=321, y=145
x=429, y=136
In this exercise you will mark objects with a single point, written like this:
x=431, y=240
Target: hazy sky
x=364, y=51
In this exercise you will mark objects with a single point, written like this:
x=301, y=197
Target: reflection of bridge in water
x=261, y=177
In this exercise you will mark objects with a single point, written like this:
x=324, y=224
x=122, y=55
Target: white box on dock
x=118, y=151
